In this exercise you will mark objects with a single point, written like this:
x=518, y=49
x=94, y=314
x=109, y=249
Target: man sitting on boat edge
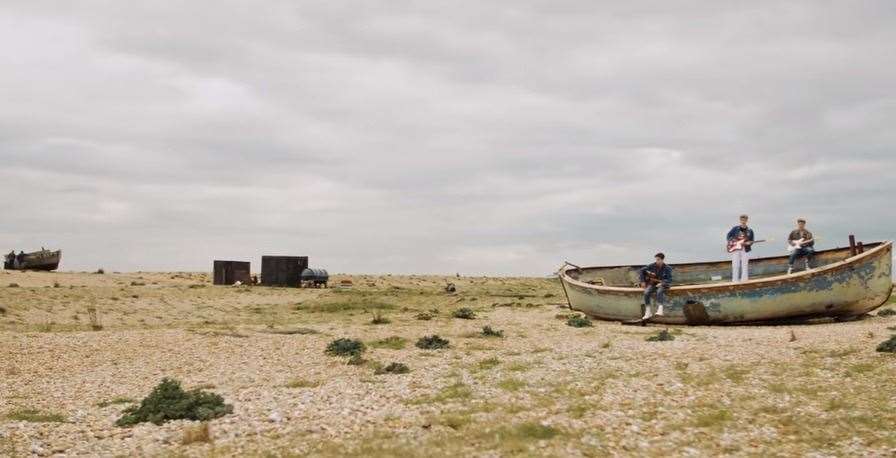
x=802, y=244
x=655, y=278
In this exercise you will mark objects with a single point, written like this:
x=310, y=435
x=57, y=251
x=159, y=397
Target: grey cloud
x=439, y=137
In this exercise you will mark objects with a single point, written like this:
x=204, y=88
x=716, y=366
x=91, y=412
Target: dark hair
x=801, y=220
x=744, y=216
x=660, y=255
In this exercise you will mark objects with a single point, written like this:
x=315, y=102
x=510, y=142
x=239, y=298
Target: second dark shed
x=282, y=270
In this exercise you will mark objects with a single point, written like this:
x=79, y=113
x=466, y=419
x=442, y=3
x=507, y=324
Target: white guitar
x=797, y=244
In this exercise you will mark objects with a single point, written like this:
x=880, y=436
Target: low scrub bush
x=886, y=312
x=302, y=383
x=378, y=318
x=114, y=401
x=888, y=346
x=432, y=343
x=94, y=319
x=168, y=401
x=13, y=285
x=391, y=342
x=464, y=313
x=424, y=316
x=661, y=336
x=35, y=416
x=487, y=331
x=345, y=347
x=393, y=368
x=579, y=321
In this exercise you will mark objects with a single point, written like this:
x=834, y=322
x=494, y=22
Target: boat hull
x=40, y=260
x=846, y=288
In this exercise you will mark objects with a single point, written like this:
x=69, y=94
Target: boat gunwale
x=749, y=284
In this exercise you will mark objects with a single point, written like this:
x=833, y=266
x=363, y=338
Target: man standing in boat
x=740, y=258
x=655, y=278
x=802, y=244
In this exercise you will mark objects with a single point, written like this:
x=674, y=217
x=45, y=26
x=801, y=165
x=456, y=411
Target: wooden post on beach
x=852, y=245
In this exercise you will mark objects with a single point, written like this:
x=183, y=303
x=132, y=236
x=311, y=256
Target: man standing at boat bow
x=655, y=278
x=740, y=258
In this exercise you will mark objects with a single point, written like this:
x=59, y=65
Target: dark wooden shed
x=230, y=272
x=282, y=270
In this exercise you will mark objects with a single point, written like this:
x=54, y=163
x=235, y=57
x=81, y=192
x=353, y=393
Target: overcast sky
x=440, y=137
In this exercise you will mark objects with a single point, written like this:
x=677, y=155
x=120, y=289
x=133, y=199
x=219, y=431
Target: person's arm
x=810, y=240
x=731, y=234
x=667, y=276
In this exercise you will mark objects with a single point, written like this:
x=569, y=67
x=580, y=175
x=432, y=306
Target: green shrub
x=579, y=321
x=464, y=313
x=888, y=346
x=661, y=336
x=345, y=347
x=168, y=401
x=886, y=312
x=394, y=368
x=487, y=331
x=432, y=343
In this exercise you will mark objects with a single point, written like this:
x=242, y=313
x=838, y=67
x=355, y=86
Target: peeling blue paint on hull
x=844, y=286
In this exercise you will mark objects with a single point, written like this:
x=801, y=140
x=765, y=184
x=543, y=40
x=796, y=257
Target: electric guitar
x=796, y=244
x=652, y=279
x=739, y=243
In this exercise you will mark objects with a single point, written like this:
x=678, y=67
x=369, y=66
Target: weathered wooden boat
x=38, y=260
x=842, y=285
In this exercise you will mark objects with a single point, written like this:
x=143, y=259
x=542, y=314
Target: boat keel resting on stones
x=843, y=284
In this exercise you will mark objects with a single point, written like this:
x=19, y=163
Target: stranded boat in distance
x=844, y=283
x=39, y=260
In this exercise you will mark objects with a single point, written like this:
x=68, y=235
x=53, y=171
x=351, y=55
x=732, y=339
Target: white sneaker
x=659, y=310
x=647, y=313
x=789, y=270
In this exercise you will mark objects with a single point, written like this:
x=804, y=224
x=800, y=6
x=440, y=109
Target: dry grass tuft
x=200, y=433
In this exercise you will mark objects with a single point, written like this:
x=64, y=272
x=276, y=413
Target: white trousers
x=740, y=266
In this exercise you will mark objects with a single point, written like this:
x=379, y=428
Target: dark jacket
x=735, y=232
x=664, y=273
